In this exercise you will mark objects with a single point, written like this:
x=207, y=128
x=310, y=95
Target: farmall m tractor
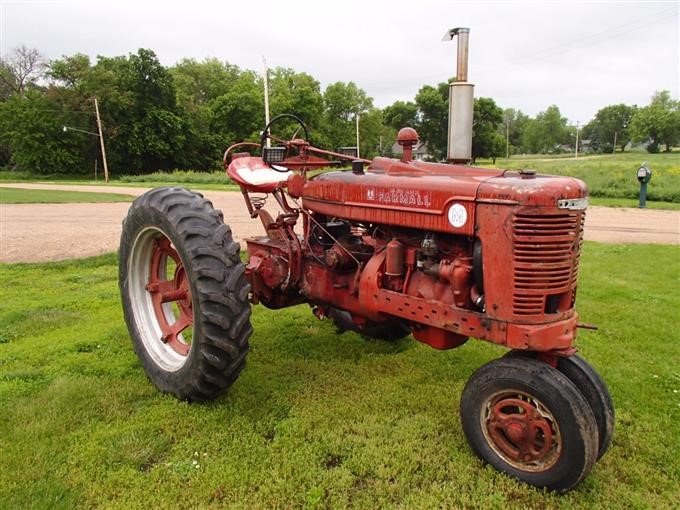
x=393, y=247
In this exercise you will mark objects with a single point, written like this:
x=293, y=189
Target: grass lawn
x=316, y=419
x=42, y=196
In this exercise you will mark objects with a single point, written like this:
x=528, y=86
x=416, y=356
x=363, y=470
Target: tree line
x=184, y=116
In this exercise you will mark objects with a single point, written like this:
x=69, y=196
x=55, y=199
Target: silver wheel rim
x=144, y=314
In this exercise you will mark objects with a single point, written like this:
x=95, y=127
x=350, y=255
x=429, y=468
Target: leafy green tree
x=609, y=123
x=658, y=123
x=342, y=103
x=143, y=125
x=296, y=93
x=34, y=132
x=373, y=133
x=515, y=121
x=199, y=85
x=401, y=114
x=70, y=72
x=433, y=109
x=8, y=83
x=238, y=115
x=486, y=141
x=546, y=131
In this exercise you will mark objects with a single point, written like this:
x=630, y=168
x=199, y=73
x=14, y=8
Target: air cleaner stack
x=461, y=102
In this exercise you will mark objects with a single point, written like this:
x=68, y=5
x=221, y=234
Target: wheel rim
x=161, y=299
x=521, y=430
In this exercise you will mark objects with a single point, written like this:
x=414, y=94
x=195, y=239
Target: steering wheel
x=266, y=134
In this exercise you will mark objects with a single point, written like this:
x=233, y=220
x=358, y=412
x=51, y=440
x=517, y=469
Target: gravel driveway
x=43, y=232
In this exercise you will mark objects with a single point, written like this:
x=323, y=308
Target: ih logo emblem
x=457, y=215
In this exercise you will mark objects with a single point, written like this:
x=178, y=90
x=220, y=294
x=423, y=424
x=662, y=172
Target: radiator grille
x=546, y=249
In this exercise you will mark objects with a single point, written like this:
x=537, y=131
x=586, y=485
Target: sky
x=578, y=55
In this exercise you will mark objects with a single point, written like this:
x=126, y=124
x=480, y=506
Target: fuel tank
x=430, y=196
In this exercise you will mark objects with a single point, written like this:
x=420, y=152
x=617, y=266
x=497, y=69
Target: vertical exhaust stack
x=461, y=102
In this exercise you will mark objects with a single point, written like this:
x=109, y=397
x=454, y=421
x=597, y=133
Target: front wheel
x=184, y=294
x=527, y=419
x=592, y=387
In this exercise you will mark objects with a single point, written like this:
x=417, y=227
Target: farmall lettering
x=402, y=197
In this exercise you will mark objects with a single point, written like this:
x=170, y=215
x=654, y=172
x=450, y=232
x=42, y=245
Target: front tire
x=184, y=294
x=528, y=420
x=592, y=387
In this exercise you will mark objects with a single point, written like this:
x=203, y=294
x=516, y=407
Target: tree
x=658, y=123
x=515, y=121
x=374, y=133
x=296, y=93
x=609, y=123
x=546, y=131
x=143, y=126
x=342, y=103
x=486, y=141
x=238, y=115
x=199, y=83
x=36, y=139
x=433, y=110
x=25, y=66
x=401, y=114
x=198, y=87
x=8, y=84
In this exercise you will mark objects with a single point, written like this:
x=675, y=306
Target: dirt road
x=43, y=232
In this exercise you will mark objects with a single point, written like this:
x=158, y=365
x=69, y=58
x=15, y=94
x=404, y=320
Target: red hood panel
x=429, y=196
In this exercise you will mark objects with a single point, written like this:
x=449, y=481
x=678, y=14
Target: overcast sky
x=527, y=55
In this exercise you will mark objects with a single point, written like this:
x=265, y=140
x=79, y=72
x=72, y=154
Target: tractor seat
x=253, y=174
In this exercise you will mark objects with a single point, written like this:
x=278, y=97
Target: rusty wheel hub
x=521, y=430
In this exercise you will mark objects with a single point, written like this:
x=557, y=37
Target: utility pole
x=614, y=148
x=576, y=148
x=507, y=137
x=357, y=118
x=101, y=140
x=266, y=98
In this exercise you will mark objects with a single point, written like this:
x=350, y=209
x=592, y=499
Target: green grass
x=610, y=176
x=42, y=196
x=316, y=419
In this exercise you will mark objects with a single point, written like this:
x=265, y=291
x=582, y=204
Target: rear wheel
x=528, y=420
x=184, y=294
x=593, y=388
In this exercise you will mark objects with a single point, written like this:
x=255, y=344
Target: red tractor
x=393, y=247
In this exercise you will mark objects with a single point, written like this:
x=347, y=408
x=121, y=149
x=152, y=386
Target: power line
x=600, y=36
x=583, y=41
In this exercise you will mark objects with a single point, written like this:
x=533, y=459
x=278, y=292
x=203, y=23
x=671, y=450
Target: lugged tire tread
x=222, y=325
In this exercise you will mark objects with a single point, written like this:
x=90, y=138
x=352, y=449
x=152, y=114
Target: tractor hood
x=430, y=196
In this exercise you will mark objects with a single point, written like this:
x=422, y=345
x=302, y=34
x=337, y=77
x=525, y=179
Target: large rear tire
x=184, y=294
x=528, y=420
